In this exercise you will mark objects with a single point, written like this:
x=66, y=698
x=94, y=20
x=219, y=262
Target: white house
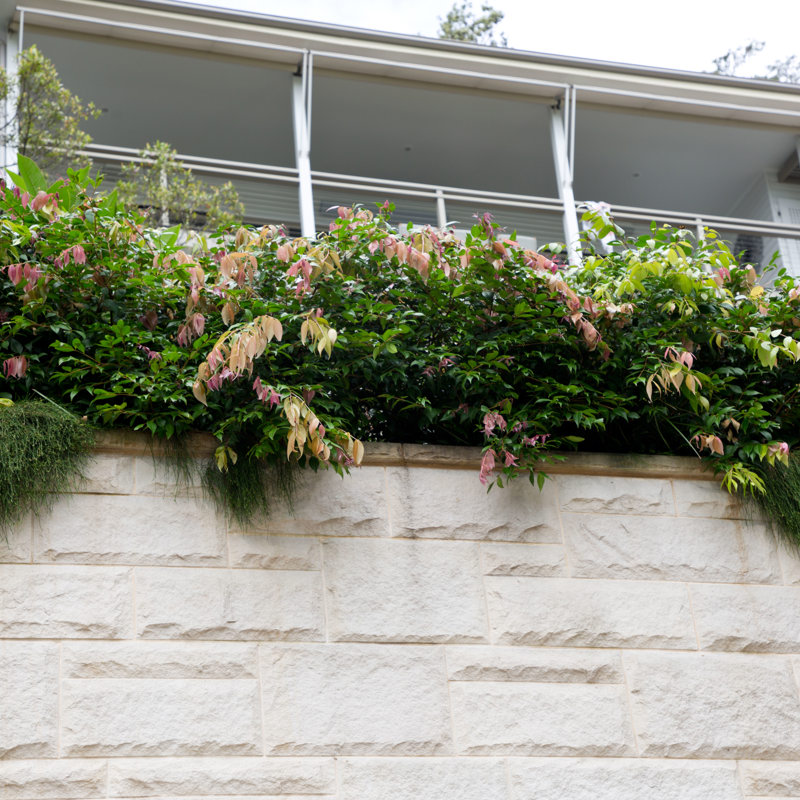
x=306, y=116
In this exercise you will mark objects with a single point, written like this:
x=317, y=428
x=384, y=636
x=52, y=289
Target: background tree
x=168, y=193
x=45, y=123
x=463, y=24
x=784, y=70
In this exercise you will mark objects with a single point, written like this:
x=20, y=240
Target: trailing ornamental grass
x=780, y=500
x=294, y=351
x=43, y=450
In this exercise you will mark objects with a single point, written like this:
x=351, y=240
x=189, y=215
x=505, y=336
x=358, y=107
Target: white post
x=301, y=103
x=560, y=140
x=441, y=209
x=10, y=128
x=699, y=229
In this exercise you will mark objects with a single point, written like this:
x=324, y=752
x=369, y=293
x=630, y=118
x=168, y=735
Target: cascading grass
x=249, y=488
x=43, y=452
x=781, y=498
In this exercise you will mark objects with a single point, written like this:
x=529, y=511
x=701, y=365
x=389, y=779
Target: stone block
x=532, y=560
x=709, y=499
x=176, y=777
x=404, y=591
x=119, y=529
x=538, y=719
x=261, y=551
x=452, y=504
x=713, y=705
x=533, y=664
x=601, y=494
x=229, y=604
x=142, y=659
x=762, y=619
x=65, y=602
x=790, y=564
x=422, y=779
x=135, y=717
x=29, y=699
x=621, y=779
x=59, y=779
x=664, y=548
x=109, y=474
x=771, y=778
x=326, y=504
x=260, y=797
x=556, y=612
x=161, y=478
x=16, y=542
x=354, y=699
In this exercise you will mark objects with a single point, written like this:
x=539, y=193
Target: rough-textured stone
x=756, y=618
x=708, y=705
x=621, y=779
x=599, y=494
x=62, y=779
x=148, y=777
x=249, y=797
x=771, y=778
x=665, y=548
x=156, y=477
x=326, y=504
x=165, y=717
x=541, y=719
x=423, y=779
x=534, y=664
x=533, y=560
x=116, y=529
x=16, y=543
x=109, y=474
x=28, y=699
x=354, y=700
x=261, y=551
x=708, y=499
x=65, y=602
x=790, y=563
x=400, y=591
x=556, y=611
x=229, y=604
x=158, y=660
x=451, y=504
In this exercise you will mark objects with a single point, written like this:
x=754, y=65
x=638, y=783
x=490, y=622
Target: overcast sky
x=678, y=34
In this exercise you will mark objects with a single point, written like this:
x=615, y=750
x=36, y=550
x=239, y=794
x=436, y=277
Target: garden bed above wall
x=625, y=633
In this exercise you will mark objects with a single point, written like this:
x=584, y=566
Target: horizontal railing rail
x=441, y=194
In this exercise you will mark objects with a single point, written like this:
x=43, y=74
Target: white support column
x=441, y=209
x=11, y=51
x=699, y=230
x=301, y=103
x=562, y=134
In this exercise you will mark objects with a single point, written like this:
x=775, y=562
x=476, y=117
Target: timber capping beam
x=390, y=454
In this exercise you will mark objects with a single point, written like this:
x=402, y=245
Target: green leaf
x=31, y=175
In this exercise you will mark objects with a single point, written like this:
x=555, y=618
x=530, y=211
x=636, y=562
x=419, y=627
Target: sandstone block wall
x=624, y=634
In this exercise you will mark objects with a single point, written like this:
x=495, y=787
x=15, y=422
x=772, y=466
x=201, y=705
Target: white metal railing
x=439, y=196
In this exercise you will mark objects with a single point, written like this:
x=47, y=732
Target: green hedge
x=306, y=348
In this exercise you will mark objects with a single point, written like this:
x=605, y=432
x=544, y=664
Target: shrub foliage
x=287, y=347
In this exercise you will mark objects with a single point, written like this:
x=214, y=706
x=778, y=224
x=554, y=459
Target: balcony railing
x=270, y=194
